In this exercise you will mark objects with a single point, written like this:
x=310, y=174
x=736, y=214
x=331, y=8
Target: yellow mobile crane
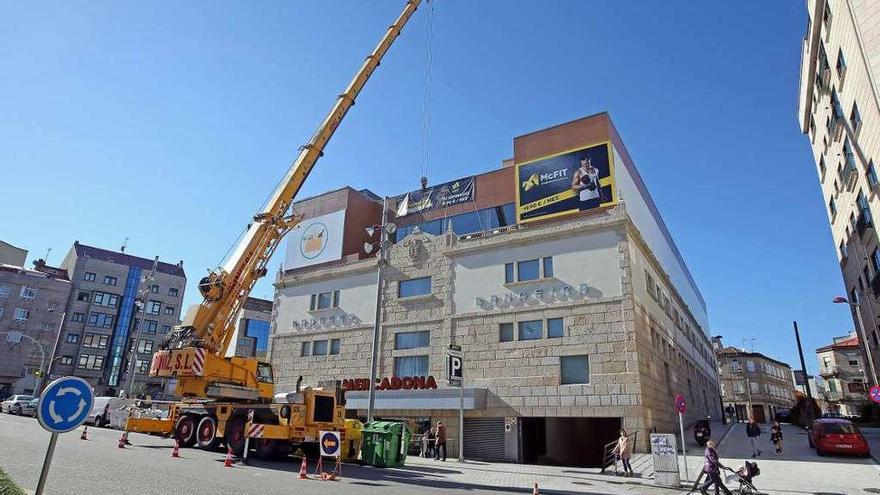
x=217, y=392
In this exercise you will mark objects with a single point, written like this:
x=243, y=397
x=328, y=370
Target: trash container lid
x=384, y=427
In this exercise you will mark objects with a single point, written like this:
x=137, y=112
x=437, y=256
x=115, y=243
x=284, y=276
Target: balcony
x=835, y=129
x=829, y=371
x=875, y=284
x=849, y=174
x=824, y=80
x=864, y=223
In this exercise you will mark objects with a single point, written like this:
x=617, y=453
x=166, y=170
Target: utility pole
x=797, y=337
x=385, y=228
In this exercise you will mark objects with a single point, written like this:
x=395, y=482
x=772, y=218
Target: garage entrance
x=566, y=441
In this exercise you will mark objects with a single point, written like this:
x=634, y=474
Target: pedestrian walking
x=776, y=437
x=623, y=451
x=753, y=431
x=712, y=468
x=440, y=442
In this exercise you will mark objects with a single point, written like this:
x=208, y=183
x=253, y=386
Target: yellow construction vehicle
x=218, y=392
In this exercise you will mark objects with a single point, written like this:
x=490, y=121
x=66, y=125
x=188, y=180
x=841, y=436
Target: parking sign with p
x=454, y=366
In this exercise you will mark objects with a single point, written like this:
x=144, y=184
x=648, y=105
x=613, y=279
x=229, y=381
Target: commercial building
x=839, y=111
x=753, y=385
x=842, y=365
x=31, y=309
x=556, y=275
x=251, y=335
x=103, y=322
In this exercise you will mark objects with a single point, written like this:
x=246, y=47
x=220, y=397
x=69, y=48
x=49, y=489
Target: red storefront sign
x=392, y=383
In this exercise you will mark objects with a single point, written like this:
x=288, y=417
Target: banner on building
x=315, y=240
x=568, y=182
x=437, y=197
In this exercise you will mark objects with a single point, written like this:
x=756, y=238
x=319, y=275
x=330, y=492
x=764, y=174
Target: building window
x=151, y=326
x=750, y=366
x=414, y=287
x=67, y=360
x=101, y=320
x=143, y=365
x=154, y=289
x=822, y=167
x=531, y=330
x=836, y=108
x=95, y=341
x=28, y=293
x=574, y=369
x=334, y=346
x=82, y=296
x=153, y=307
x=166, y=329
x=105, y=299
x=411, y=340
x=528, y=270
x=555, y=328
x=855, y=118
x=411, y=366
x=87, y=362
x=89, y=277
x=505, y=331
x=319, y=348
x=169, y=310
x=108, y=280
x=4, y=291
x=172, y=291
x=306, y=349
x=21, y=314
x=875, y=260
x=548, y=267
x=832, y=208
x=324, y=300
x=650, y=285
x=508, y=273
x=72, y=338
x=754, y=387
x=145, y=346
x=841, y=64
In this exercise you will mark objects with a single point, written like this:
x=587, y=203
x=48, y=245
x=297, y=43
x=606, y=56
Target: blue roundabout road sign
x=65, y=404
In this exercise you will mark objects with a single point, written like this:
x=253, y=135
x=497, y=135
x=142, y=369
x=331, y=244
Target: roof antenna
x=124, y=245
x=46, y=256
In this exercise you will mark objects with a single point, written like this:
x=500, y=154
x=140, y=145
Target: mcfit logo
x=536, y=180
x=531, y=182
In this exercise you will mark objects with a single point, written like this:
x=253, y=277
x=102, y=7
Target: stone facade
x=753, y=385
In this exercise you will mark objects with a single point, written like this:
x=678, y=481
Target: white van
x=100, y=415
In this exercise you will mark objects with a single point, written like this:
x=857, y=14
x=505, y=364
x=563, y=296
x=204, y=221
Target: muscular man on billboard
x=586, y=180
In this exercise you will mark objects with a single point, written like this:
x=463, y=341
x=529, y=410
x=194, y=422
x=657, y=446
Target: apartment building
x=842, y=365
x=104, y=322
x=32, y=305
x=839, y=112
x=753, y=385
x=251, y=337
x=555, y=274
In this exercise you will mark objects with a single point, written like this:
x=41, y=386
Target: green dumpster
x=384, y=443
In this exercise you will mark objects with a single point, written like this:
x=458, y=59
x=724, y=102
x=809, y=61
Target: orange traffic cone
x=303, y=475
x=228, y=461
x=121, y=442
x=535, y=491
x=85, y=433
x=176, y=451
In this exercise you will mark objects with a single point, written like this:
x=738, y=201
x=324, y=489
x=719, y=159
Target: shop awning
x=445, y=398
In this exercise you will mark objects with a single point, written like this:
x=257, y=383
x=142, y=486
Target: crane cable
x=426, y=103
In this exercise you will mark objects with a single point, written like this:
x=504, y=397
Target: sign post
x=454, y=376
x=681, y=408
x=874, y=394
x=331, y=446
x=247, y=438
x=63, y=406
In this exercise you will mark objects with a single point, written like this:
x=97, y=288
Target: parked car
x=29, y=408
x=102, y=408
x=783, y=415
x=13, y=404
x=702, y=432
x=837, y=436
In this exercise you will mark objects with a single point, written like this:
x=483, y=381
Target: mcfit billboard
x=567, y=182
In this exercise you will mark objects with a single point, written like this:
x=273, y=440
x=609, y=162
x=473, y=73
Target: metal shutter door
x=484, y=438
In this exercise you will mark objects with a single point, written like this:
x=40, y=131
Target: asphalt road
x=97, y=466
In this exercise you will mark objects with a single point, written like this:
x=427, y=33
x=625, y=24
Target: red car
x=837, y=436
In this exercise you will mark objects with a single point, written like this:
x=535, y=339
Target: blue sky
x=169, y=123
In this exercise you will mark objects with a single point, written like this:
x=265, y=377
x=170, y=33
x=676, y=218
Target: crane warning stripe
x=255, y=431
x=199, y=362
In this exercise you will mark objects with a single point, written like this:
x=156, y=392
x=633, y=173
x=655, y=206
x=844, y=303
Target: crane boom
x=226, y=289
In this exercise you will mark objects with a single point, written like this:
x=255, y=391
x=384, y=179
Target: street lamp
x=863, y=337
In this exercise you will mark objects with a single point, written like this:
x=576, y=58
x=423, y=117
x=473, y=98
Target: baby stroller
x=744, y=477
